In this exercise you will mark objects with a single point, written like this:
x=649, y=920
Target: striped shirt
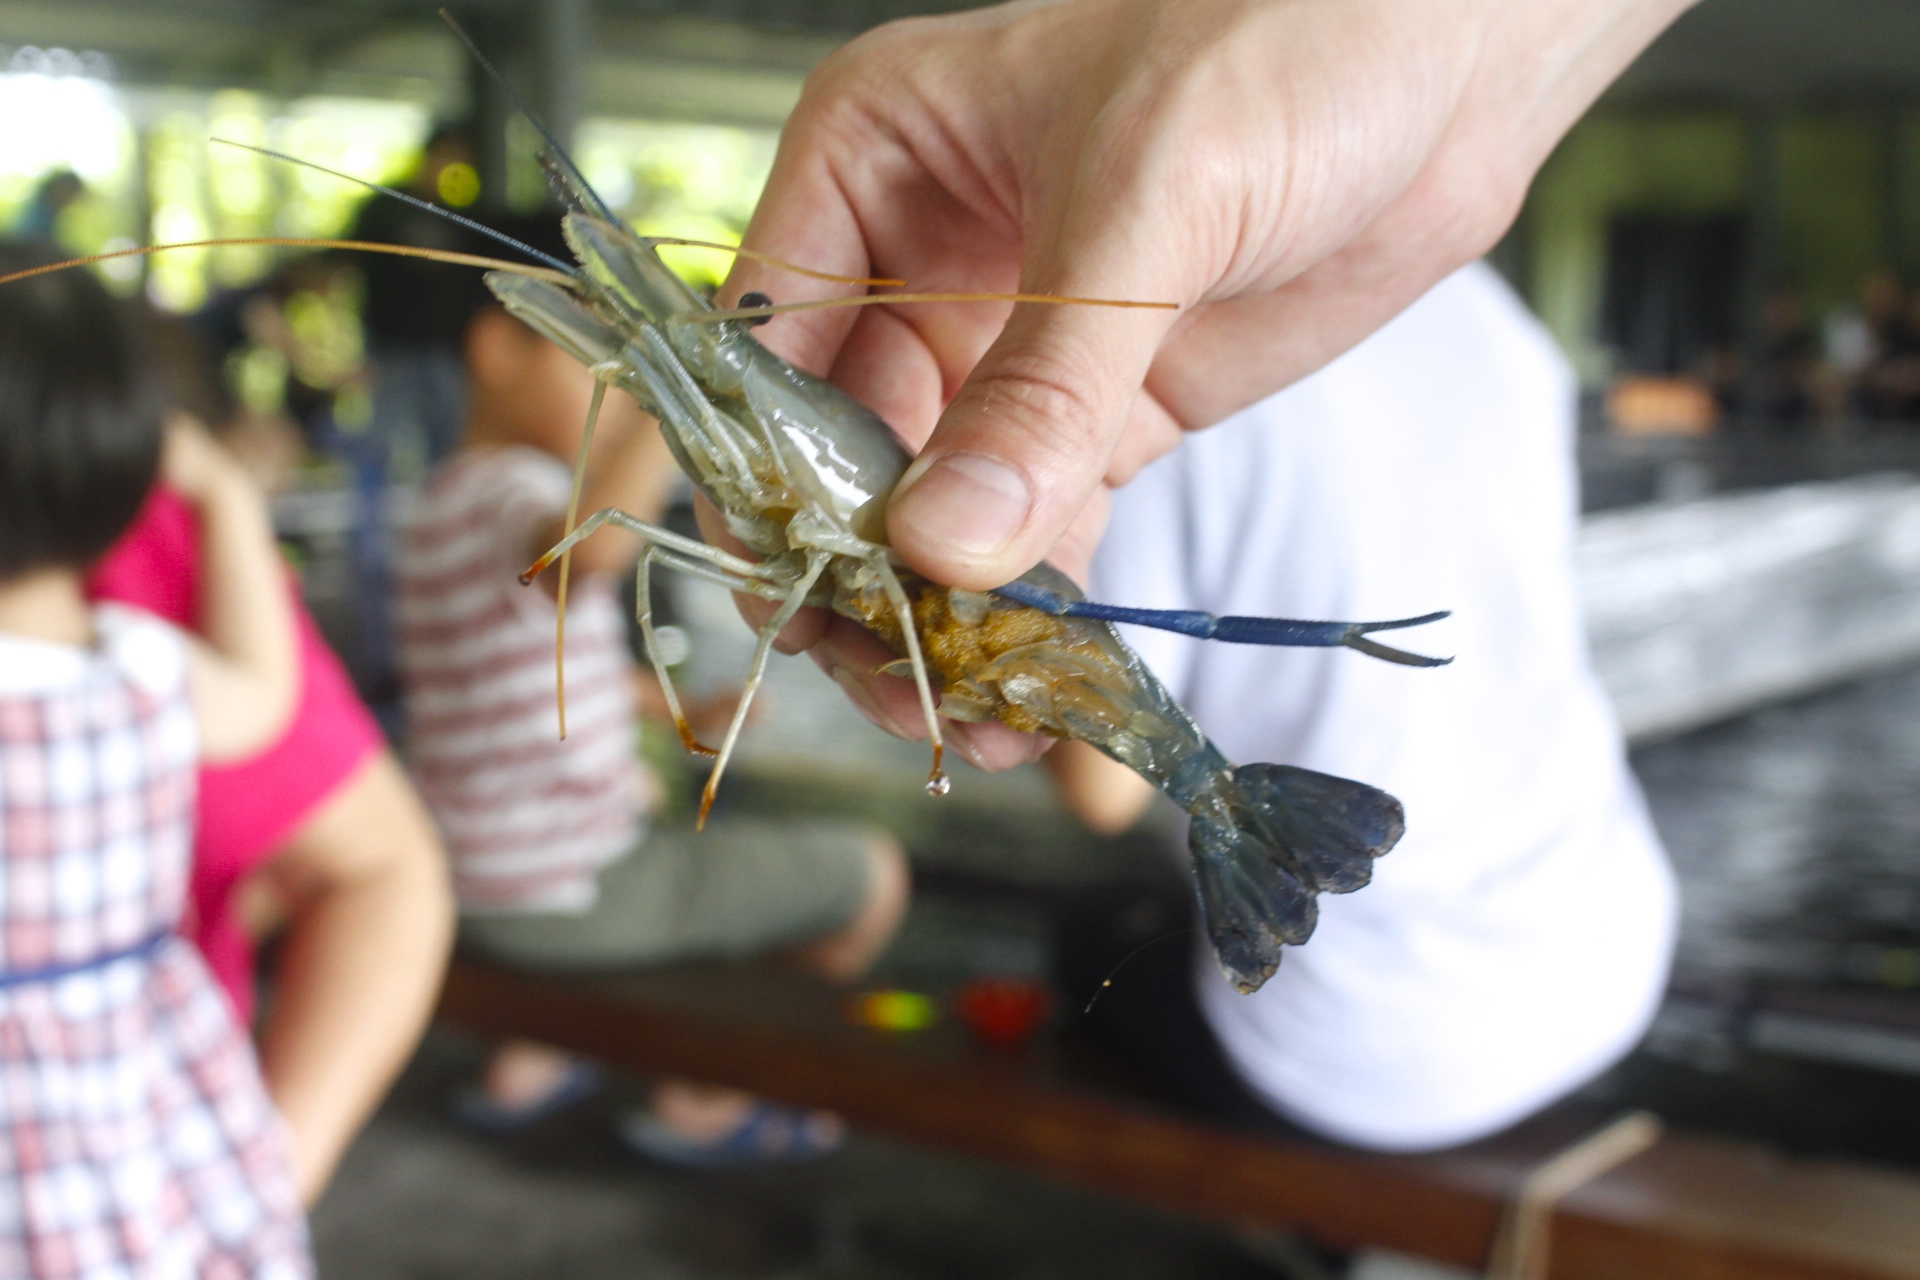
x=529, y=818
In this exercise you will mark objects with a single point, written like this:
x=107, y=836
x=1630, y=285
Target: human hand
x=192, y=462
x=1293, y=173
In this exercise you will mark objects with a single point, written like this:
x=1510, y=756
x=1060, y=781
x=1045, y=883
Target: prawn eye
x=755, y=300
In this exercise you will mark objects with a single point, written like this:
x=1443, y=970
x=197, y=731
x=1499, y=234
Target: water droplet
x=939, y=784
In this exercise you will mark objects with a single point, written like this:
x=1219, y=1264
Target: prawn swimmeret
x=801, y=473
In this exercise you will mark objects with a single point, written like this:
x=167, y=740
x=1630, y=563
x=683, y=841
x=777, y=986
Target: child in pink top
x=250, y=808
x=246, y=810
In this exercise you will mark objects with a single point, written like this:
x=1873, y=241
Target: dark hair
x=191, y=374
x=81, y=416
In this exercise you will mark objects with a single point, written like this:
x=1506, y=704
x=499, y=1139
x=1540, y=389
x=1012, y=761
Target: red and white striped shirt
x=529, y=818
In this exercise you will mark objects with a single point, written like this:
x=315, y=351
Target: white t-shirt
x=1516, y=941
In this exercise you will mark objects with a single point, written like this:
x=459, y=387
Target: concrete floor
x=420, y=1199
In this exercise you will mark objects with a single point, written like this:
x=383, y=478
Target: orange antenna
x=874, y=299
x=755, y=255
x=300, y=242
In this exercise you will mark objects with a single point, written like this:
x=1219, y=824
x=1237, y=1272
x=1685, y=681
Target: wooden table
x=1693, y=1206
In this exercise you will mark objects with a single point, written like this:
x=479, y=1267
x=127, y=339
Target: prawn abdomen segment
x=999, y=660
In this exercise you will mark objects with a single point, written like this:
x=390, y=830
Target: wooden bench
x=1693, y=1206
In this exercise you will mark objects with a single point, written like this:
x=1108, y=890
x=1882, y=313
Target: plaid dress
x=138, y=1139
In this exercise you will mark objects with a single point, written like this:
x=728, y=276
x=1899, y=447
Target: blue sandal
x=770, y=1136
x=475, y=1110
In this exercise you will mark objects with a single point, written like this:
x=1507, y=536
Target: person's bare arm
x=243, y=663
x=1100, y=791
x=371, y=921
x=1292, y=173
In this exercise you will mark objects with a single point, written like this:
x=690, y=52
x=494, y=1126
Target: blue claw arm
x=1233, y=630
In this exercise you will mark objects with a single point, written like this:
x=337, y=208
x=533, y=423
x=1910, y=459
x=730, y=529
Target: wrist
x=220, y=489
x=1543, y=64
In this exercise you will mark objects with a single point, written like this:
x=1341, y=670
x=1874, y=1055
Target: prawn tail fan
x=1282, y=837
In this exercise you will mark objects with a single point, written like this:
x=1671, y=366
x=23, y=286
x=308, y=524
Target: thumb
x=1026, y=442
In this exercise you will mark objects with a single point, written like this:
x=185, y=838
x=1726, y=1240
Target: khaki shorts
x=742, y=886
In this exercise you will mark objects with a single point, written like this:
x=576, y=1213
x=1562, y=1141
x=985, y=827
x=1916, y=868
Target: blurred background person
x=52, y=197
x=1857, y=336
x=413, y=319
x=1784, y=387
x=1891, y=383
x=412, y=322
x=1515, y=943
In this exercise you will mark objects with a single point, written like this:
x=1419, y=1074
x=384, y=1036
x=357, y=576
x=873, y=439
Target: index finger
x=803, y=217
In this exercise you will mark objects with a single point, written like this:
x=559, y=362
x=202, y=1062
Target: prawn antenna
x=304, y=242
x=469, y=223
x=559, y=152
x=876, y=299
x=753, y=255
x=565, y=174
x=1124, y=961
x=501, y=237
x=1231, y=629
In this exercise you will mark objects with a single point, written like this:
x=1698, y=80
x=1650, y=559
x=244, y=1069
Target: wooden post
x=563, y=39
x=497, y=34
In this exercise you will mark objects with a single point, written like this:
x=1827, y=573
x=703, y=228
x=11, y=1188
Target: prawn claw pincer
x=1233, y=629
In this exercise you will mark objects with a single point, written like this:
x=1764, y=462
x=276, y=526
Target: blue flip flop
x=474, y=1110
x=771, y=1136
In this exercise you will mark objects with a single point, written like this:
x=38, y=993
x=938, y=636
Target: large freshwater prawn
x=801, y=473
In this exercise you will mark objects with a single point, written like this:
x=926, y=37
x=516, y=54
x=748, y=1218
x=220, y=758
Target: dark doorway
x=1672, y=289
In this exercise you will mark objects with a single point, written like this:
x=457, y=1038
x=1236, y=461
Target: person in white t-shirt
x=1516, y=942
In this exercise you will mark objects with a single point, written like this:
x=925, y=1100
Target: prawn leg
x=657, y=536
x=669, y=548
x=643, y=613
x=817, y=562
x=937, y=781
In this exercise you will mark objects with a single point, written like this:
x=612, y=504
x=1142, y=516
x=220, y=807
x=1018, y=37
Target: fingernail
x=858, y=694
x=966, y=501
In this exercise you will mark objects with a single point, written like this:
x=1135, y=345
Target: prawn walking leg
x=667, y=548
x=937, y=783
x=643, y=613
x=817, y=562
x=691, y=548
